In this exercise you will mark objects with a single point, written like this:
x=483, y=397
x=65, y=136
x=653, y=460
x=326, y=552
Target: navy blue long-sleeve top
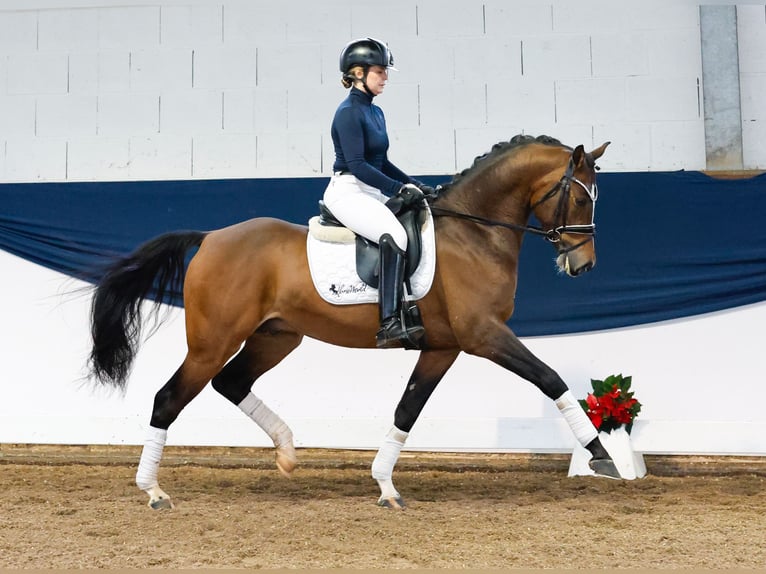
x=361, y=144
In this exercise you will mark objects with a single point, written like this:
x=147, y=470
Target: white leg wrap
x=574, y=414
x=149, y=465
x=267, y=419
x=388, y=454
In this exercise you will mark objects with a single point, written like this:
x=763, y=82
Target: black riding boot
x=390, y=288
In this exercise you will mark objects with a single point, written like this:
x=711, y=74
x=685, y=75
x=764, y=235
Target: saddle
x=412, y=217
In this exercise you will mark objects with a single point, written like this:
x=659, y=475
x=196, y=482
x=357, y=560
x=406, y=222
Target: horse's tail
x=156, y=269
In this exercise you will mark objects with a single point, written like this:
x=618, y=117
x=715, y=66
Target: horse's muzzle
x=582, y=269
x=572, y=265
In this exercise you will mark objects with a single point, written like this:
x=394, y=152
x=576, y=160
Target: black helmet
x=365, y=52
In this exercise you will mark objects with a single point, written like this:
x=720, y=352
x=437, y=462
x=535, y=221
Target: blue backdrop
x=669, y=244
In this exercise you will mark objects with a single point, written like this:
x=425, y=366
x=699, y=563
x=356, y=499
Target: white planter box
x=630, y=464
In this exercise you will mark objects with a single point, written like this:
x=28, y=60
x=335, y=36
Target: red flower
x=611, y=404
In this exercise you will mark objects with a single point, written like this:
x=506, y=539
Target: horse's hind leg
x=429, y=370
x=261, y=352
x=183, y=386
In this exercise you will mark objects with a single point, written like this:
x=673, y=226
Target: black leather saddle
x=412, y=218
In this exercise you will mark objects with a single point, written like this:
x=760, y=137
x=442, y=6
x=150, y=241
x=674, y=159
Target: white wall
x=751, y=28
x=700, y=381
x=129, y=89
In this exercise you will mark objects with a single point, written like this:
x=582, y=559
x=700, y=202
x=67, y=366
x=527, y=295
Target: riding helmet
x=365, y=52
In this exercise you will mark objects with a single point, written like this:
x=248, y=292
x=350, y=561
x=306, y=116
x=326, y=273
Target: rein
x=552, y=235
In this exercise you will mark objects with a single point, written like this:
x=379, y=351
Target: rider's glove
x=427, y=190
x=410, y=194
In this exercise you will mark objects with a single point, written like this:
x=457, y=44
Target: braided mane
x=499, y=149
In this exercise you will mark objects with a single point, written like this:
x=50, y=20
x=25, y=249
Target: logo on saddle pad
x=332, y=261
x=341, y=290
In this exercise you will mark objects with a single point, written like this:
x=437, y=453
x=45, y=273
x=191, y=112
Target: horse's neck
x=495, y=249
x=500, y=192
x=495, y=193
x=499, y=196
x=507, y=185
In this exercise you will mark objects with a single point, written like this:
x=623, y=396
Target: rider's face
x=377, y=76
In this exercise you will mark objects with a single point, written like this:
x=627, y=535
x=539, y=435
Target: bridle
x=563, y=190
x=564, y=186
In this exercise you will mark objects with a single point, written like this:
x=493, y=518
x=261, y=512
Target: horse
x=246, y=309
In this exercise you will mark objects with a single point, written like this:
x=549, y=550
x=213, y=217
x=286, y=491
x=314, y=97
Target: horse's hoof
x=161, y=504
x=286, y=460
x=604, y=467
x=394, y=503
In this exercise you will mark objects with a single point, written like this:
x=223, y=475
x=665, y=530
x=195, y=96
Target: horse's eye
x=580, y=201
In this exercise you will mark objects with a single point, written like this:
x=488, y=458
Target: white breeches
x=362, y=209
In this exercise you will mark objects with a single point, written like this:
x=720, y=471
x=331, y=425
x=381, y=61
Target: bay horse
x=248, y=294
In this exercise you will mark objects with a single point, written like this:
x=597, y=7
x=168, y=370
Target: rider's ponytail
x=349, y=78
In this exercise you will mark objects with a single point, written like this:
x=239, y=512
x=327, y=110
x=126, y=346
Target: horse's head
x=565, y=205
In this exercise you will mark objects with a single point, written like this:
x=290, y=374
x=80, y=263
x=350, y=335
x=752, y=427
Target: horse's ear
x=578, y=155
x=599, y=151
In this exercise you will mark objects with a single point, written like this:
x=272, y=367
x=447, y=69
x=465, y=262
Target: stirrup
x=393, y=334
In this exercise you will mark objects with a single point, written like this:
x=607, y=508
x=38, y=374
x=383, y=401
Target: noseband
x=553, y=235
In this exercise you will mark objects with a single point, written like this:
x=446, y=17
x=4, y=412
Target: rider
x=364, y=178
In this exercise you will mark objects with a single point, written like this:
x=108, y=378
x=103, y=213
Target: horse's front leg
x=500, y=345
x=429, y=370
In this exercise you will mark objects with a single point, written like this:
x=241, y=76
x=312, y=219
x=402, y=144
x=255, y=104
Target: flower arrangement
x=611, y=404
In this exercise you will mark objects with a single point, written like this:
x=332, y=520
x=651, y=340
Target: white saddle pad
x=333, y=269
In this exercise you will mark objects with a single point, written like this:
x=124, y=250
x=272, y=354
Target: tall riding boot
x=390, y=288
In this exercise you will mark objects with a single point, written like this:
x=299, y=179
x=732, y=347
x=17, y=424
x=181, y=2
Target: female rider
x=364, y=178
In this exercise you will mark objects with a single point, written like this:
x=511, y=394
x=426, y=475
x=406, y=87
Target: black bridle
x=553, y=235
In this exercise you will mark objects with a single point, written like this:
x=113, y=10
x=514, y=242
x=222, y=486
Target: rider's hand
x=410, y=194
x=427, y=190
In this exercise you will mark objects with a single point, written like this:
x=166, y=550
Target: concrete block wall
x=751, y=30
x=174, y=89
